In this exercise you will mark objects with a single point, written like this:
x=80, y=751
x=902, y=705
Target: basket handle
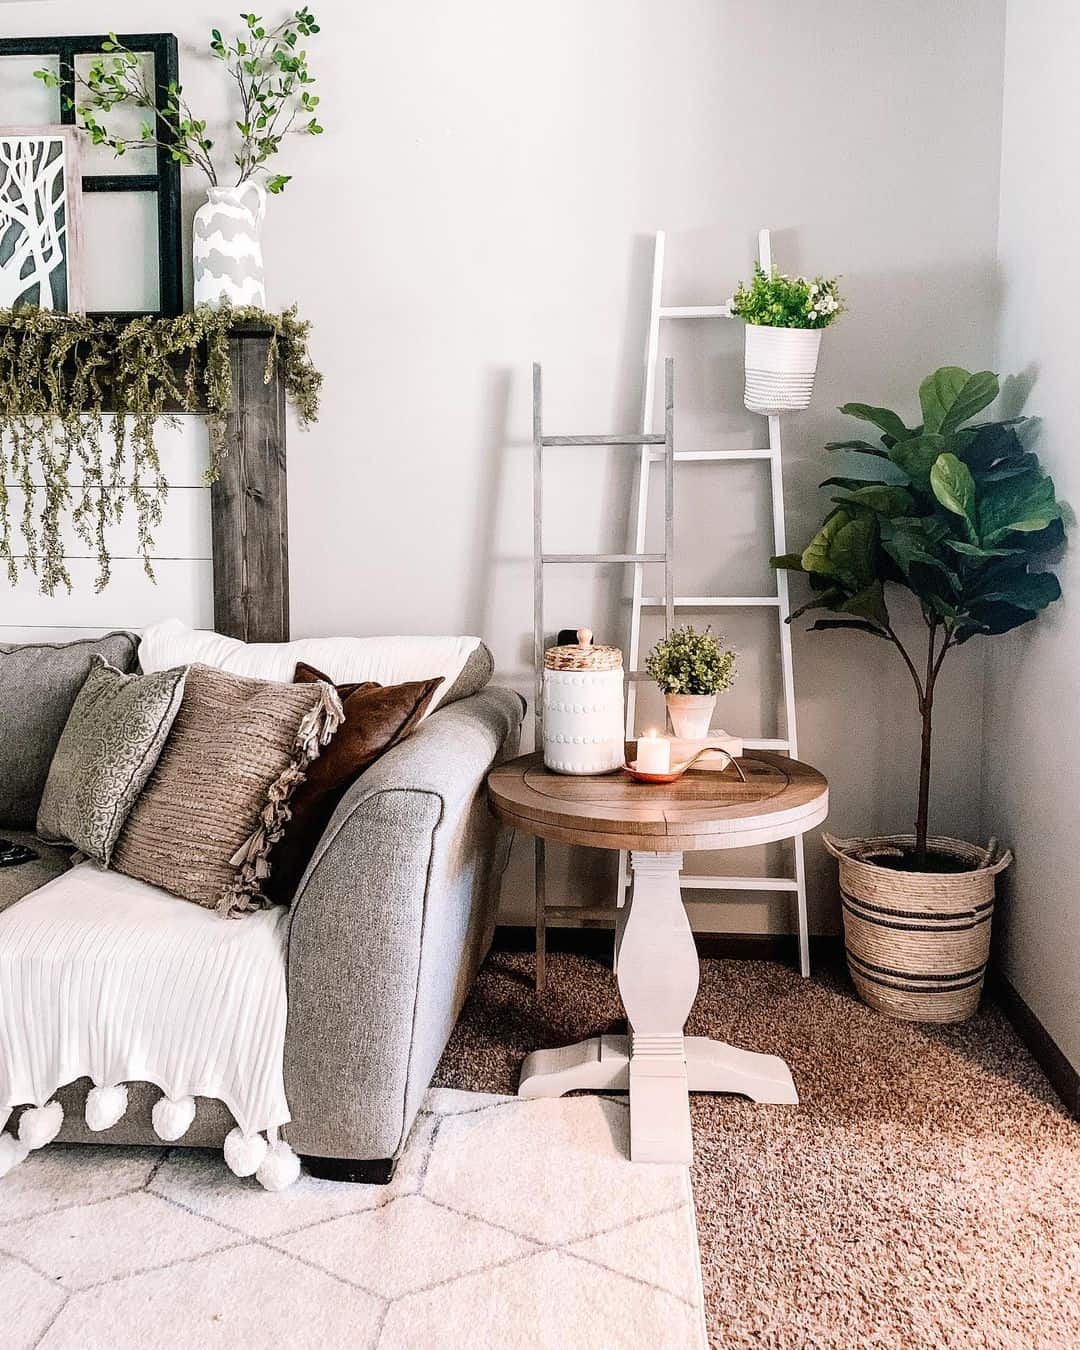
x=992, y=865
x=842, y=848
x=834, y=844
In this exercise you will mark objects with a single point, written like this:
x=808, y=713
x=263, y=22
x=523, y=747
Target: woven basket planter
x=917, y=942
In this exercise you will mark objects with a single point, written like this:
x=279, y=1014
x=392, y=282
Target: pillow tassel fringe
x=252, y=858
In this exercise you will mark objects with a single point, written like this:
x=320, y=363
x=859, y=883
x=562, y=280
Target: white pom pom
x=105, y=1106
x=40, y=1125
x=244, y=1152
x=12, y=1152
x=279, y=1168
x=172, y=1119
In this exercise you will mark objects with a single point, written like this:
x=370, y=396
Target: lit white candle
x=653, y=753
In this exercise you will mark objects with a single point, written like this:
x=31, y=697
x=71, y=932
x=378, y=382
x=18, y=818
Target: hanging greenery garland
x=60, y=373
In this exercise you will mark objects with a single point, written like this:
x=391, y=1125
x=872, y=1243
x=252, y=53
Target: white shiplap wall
x=182, y=560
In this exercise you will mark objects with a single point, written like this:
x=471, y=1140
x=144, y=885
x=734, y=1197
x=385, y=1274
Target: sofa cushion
x=375, y=719
x=15, y=882
x=38, y=685
x=218, y=798
x=110, y=744
x=464, y=663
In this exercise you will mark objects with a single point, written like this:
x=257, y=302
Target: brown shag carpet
x=926, y=1192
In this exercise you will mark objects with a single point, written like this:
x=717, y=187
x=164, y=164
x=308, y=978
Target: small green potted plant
x=691, y=668
x=961, y=516
x=268, y=66
x=784, y=317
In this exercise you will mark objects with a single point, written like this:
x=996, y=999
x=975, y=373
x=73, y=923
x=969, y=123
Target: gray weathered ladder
x=657, y=445
x=788, y=744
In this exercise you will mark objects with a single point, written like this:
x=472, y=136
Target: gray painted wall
x=485, y=195
x=1032, y=712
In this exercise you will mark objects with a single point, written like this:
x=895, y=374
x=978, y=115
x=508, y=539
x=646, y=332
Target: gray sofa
x=389, y=926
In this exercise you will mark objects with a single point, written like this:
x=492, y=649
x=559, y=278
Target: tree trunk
x=923, y=814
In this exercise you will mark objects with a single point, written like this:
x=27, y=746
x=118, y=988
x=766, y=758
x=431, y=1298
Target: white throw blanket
x=105, y=977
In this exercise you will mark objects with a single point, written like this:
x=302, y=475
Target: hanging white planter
x=780, y=367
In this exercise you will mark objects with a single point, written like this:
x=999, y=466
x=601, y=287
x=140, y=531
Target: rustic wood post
x=248, y=503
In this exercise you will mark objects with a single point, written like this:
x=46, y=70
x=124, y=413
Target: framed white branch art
x=40, y=201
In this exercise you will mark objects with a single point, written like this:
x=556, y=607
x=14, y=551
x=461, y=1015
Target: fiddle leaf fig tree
x=958, y=513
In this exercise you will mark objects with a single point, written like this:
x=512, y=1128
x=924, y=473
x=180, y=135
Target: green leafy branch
x=273, y=82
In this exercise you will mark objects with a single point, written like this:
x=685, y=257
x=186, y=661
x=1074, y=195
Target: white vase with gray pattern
x=227, y=247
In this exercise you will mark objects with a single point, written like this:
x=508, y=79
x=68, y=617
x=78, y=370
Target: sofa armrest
x=389, y=925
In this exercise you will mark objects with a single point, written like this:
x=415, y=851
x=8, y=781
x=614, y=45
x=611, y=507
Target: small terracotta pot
x=691, y=714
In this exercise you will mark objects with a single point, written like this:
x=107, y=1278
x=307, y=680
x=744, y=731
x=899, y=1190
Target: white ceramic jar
x=583, y=708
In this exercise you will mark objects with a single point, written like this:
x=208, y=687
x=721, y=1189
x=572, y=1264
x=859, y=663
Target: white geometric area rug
x=509, y=1223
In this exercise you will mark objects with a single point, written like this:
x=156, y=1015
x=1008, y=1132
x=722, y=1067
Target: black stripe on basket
x=852, y=907
x=983, y=910
x=947, y=984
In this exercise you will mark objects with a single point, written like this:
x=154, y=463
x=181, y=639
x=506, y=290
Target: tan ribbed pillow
x=217, y=800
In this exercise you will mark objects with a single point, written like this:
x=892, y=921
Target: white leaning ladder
x=788, y=744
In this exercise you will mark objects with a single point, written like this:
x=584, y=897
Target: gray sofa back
x=38, y=685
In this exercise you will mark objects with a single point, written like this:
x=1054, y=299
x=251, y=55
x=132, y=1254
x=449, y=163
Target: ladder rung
x=581, y=911
x=627, y=438
x=683, y=456
x=695, y=311
x=729, y=883
x=603, y=558
x=714, y=601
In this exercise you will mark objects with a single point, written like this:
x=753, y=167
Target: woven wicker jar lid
x=583, y=655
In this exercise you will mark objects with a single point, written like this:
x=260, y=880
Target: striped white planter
x=780, y=367
x=227, y=247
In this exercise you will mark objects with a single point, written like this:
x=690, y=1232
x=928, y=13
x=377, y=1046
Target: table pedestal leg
x=658, y=981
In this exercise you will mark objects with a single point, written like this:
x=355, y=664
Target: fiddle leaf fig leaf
x=854, y=625
x=1026, y=590
x=787, y=562
x=882, y=418
x=954, y=487
x=881, y=497
x=917, y=456
x=843, y=548
x=852, y=484
x=1023, y=504
x=951, y=396
x=869, y=603
x=995, y=616
x=975, y=551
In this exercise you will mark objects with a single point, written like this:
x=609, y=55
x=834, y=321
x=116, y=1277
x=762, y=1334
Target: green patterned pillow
x=107, y=751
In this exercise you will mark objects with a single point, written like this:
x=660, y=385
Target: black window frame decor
x=165, y=181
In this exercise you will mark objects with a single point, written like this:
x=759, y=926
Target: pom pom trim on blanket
x=268, y=1157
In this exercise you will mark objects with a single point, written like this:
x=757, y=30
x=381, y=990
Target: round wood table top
x=704, y=809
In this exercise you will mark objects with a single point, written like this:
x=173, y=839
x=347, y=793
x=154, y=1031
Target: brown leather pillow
x=376, y=718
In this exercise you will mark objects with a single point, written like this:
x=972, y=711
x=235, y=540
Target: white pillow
x=345, y=660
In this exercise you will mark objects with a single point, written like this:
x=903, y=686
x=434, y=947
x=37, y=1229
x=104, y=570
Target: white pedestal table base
x=658, y=980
